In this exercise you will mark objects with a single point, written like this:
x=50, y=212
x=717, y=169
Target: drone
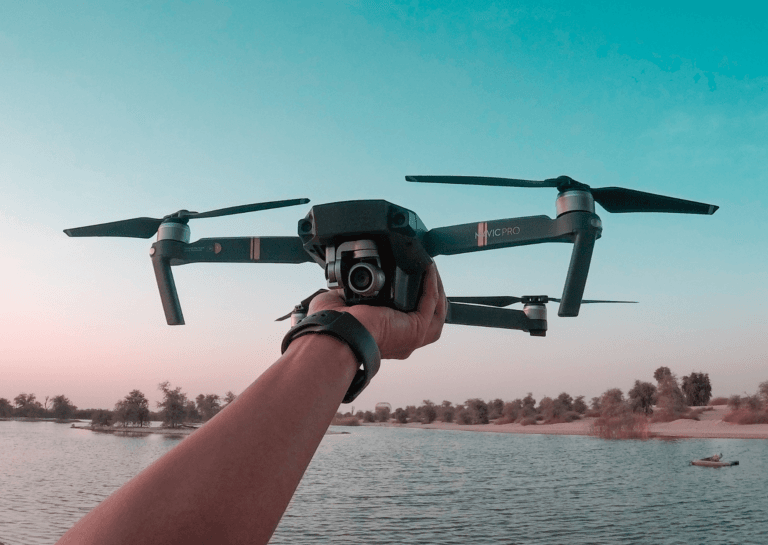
x=377, y=253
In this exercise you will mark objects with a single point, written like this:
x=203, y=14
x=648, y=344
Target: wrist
x=345, y=328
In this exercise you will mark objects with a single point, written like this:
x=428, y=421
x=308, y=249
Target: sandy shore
x=709, y=426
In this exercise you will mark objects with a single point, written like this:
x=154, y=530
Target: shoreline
x=710, y=426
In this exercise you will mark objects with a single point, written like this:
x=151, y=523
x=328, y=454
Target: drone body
x=377, y=253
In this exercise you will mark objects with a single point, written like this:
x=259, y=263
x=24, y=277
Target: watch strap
x=346, y=328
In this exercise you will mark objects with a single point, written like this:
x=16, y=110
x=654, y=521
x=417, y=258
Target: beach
x=709, y=426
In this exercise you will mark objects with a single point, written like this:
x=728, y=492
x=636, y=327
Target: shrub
x=571, y=416
x=718, y=401
x=504, y=420
x=478, y=410
x=345, y=421
x=579, y=406
x=528, y=421
x=428, y=412
x=464, y=417
x=626, y=426
x=101, y=418
x=697, y=389
x=746, y=416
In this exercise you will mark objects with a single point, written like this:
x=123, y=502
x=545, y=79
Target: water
x=397, y=485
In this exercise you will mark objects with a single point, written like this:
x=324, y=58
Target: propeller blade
x=134, y=228
x=481, y=180
x=147, y=227
x=587, y=301
x=500, y=301
x=303, y=305
x=242, y=209
x=619, y=200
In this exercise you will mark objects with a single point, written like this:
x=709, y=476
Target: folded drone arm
x=504, y=318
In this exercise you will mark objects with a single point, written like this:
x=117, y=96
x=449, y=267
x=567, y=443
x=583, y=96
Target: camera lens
x=360, y=279
x=366, y=279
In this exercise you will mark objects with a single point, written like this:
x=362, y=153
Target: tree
x=495, y=409
x=173, y=405
x=529, y=405
x=612, y=402
x=763, y=391
x=579, y=406
x=513, y=409
x=208, y=406
x=229, y=397
x=447, y=411
x=27, y=405
x=133, y=409
x=6, y=409
x=401, y=416
x=428, y=412
x=661, y=372
x=62, y=408
x=563, y=404
x=669, y=398
x=101, y=417
x=642, y=397
x=697, y=389
x=383, y=413
x=478, y=409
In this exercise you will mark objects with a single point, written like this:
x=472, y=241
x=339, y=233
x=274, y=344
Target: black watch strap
x=347, y=328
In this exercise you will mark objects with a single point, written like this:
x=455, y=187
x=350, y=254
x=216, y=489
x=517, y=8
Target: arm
x=231, y=480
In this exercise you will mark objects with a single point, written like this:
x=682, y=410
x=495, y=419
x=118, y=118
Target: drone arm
x=504, y=318
x=243, y=250
x=578, y=269
x=161, y=262
x=505, y=233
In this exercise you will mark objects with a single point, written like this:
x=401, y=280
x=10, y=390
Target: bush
x=625, y=426
x=464, y=417
x=746, y=416
x=101, y=417
x=719, y=401
x=528, y=421
x=345, y=421
x=572, y=416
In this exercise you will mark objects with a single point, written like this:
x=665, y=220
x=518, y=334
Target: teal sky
x=112, y=110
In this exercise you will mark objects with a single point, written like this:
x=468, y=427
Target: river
x=402, y=485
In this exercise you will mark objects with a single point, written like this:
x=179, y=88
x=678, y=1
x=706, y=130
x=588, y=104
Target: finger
x=428, y=300
x=329, y=300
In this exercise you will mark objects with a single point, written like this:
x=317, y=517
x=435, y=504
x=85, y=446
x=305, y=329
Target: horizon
x=120, y=111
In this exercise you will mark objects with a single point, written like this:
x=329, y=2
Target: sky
x=113, y=110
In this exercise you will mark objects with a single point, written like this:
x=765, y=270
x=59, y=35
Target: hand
x=397, y=333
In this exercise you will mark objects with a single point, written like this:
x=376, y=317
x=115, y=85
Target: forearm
x=231, y=481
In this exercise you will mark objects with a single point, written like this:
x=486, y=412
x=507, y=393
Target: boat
x=713, y=461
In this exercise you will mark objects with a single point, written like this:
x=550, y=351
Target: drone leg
x=583, y=244
x=167, y=287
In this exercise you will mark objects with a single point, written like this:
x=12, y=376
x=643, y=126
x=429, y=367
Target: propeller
x=147, y=227
x=505, y=301
x=303, y=306
x=613, y=199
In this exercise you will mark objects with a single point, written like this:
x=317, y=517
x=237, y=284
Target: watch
x=345, y=327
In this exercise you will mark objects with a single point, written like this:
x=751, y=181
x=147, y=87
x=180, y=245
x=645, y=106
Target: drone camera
x=366, y=279
x=355, y=267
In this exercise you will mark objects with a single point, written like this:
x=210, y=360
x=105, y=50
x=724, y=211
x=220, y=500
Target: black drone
x=377, y=253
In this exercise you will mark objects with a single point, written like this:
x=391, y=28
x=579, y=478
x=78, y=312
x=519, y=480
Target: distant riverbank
x=709, y=426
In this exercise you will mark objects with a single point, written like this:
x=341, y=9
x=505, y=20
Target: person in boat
x=715, y=457
x=231, y=480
